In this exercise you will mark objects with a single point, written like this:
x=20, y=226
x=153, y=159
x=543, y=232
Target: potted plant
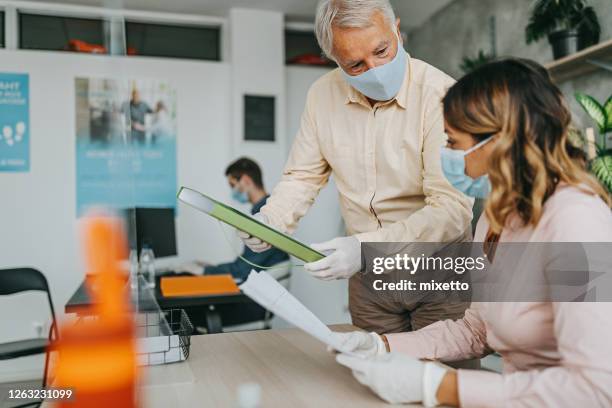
x=470, y=64
x=571, y=25
x=601, y=164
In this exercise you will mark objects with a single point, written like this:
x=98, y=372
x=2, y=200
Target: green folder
x=248, y=224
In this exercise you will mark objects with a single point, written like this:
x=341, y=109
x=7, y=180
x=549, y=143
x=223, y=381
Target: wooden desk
x=292, y=368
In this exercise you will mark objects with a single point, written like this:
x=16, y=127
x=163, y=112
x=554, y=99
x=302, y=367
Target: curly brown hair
x=516, y=101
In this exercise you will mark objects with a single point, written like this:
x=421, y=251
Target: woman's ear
x=490, y=146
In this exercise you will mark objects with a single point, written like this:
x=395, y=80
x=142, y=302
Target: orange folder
x=175, y=286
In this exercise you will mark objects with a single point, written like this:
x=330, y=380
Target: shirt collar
x=354, y=96
x=257, y=206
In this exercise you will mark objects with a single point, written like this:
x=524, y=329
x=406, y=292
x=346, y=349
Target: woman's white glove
x=253, y=243
x=397, y=378
x=360, y=343
x=343, y=261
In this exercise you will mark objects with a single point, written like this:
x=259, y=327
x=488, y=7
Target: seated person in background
x=244, y=178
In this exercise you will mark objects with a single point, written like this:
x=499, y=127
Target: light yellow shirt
x=385, y=160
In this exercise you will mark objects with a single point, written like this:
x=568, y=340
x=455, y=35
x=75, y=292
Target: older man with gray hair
x=376, y=124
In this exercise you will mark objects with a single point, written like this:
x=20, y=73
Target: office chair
x=17, y=280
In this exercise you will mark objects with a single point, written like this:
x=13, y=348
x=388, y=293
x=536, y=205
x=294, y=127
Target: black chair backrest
x=22, y=279
x=17, y=280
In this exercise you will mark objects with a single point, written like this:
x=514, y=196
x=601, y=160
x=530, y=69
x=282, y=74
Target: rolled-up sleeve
x=305, y=173
x=447, y=213
x=446, y=340
x=583, y=377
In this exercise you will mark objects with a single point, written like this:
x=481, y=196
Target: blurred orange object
x=173, y=286
x=96, y=358
x=82, y=46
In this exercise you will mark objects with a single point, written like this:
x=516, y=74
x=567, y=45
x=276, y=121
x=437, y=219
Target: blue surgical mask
x=453, y=166
x=381, y=83
x=240, y=196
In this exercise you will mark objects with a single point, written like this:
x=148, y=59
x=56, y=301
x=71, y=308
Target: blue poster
x=14, y=123
x=126, y=144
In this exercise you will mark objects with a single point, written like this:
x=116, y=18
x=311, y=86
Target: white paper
x=270, y=294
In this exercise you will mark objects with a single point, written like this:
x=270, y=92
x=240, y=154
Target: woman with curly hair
x=507, y=127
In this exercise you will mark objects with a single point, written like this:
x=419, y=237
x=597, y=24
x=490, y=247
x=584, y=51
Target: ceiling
x=412, y=12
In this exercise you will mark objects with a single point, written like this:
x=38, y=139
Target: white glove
x=343, y=262
x=360, y=343
x=397, y=378
x=255, y=244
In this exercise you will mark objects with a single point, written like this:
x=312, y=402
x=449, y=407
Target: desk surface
x=80, y=299
x=292, y=368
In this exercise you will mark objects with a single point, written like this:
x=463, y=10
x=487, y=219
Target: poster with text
x=126, y=143
x=14, y=123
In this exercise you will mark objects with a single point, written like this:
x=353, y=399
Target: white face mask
x=381, y=83
x=453, y=166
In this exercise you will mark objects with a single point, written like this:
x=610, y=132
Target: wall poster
x=14, y=123
x=125, y=143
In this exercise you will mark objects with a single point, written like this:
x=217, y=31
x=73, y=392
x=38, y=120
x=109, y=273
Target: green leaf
x=608, y=110
x=594, y=109
x=601, y=167
x=576, y=138
x=470, y=64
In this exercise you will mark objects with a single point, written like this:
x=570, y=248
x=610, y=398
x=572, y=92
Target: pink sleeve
x=446, y=340
x=583, y=377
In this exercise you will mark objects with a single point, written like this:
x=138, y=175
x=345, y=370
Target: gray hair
x=347, y=14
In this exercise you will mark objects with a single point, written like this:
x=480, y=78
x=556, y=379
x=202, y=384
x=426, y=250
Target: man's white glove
x=397, y=378
x=255, y=244
x=343, y=261
x=361, y=343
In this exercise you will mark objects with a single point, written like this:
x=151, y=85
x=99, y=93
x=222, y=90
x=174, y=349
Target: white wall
x=38, y=208
x=257, y=57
